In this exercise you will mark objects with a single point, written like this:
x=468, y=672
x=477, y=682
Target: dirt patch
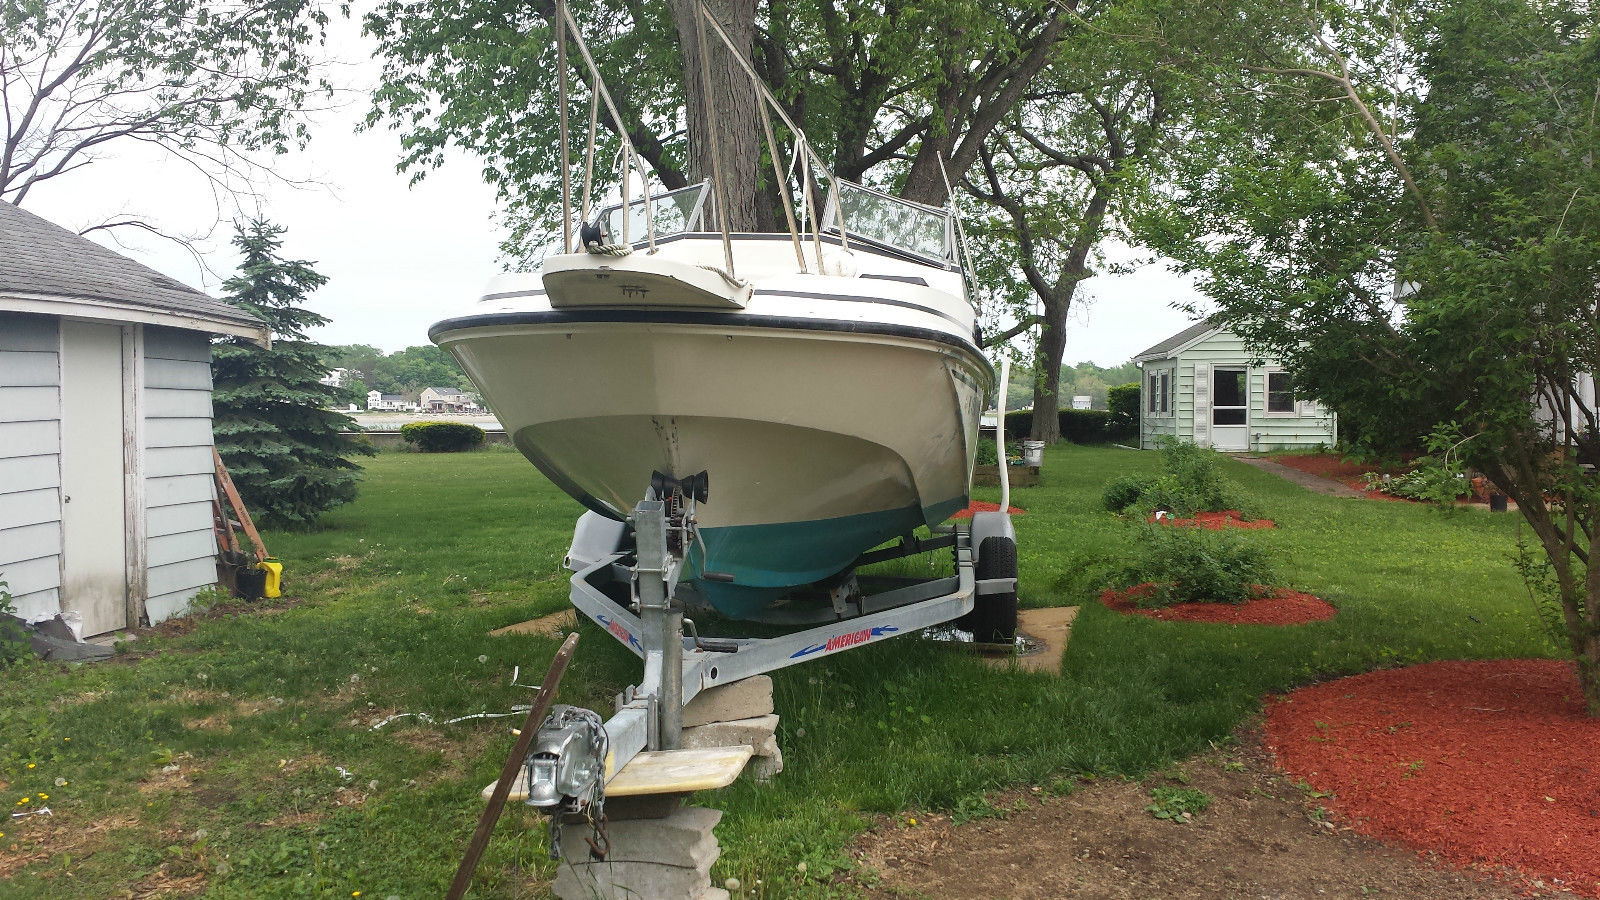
x=1215, y=521
x=1260, y=837
x=1345, y=472
x=38, y=838
x=1277, y=606
x=978, y=506
x=565, y=620
x=1488, y=764
x=1048, y=630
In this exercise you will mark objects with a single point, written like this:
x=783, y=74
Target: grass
x=259, y=709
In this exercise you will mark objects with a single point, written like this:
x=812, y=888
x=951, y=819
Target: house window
x=1280, y=393
x=1152, y=401
x=1166, y=393
x=1158, y=394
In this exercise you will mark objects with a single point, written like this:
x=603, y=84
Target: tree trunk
x=730, y=103
x=1047, y=366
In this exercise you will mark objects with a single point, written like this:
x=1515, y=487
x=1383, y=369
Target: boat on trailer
x=749, y=419
x=827, y=391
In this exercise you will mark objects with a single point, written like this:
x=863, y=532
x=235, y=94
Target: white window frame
x=1297, y=408
x=1160, y=393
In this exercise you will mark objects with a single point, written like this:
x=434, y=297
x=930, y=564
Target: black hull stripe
x=800, y=295
x=698, y=317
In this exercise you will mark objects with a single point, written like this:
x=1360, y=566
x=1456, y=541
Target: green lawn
x=258, y=710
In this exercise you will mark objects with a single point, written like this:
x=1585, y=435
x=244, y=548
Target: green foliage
x=1177, y=805
x=1079, y=426
x=403, y=586
x=1123, y=401
x=1124, y=491
x=1437, y=477
x=1191, y=481
x=213, y=83
x=442, y=437
x=14, y=644
x=281, y=443
x=987, y=454
x=1437, y=168
x=1196, y=565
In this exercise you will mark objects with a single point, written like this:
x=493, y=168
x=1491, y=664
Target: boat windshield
x=674, y=212
x=901, y=224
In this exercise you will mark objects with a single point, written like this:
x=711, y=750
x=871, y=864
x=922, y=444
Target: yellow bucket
x=274, y=570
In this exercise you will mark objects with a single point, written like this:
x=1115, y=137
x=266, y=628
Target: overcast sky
x=399, y=258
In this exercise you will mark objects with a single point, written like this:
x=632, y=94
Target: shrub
x=987, y=454
x=1193, y=565
x=442, y=437
x=1123, y=401
x=14, y=643
x=1124, y=491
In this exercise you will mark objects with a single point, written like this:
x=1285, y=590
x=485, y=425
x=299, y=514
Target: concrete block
x=713, y=893
x=682, y=839
x=643, y=806
x=619, y=880
x=767, y=762
x=753, y=732
x=741, y=699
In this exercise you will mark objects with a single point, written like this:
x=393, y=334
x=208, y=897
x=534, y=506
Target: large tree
x=273, y=427
x=217, y=85
x=1411, y=220
x=884, y=90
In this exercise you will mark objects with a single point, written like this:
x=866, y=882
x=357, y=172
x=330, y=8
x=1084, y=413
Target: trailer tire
x=994, y=616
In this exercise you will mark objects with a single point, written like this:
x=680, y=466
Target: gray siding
x=178, y=488
x=30, y=463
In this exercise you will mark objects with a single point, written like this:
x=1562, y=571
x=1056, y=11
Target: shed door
x=1230, y=413
x=94, y=546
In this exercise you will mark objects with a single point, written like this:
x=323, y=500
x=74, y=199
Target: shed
x=105, y=429
x=1203, y=385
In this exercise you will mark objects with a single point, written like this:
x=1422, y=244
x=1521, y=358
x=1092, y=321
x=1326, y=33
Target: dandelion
x=355, y=893
x=913, y=823
x=31, y=765
x=61, y=782
x=24, y=801
x=44, y=796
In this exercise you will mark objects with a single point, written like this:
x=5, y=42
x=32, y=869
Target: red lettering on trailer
x=839, y=642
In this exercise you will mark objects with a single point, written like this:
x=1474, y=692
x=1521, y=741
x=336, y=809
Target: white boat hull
x=826, y=426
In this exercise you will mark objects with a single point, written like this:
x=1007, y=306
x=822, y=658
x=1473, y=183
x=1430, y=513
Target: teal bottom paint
x=766, y=561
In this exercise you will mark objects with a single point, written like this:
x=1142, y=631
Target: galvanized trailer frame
x=676, y=668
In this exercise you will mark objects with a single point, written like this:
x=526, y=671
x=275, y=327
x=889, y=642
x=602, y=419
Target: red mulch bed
x=1281, y=607
x=1489, y=764
x=1335, y=468
x=978, y=506
x=1216, y=521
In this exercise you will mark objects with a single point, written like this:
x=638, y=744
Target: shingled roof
x=1166, y=347
x=45, y=268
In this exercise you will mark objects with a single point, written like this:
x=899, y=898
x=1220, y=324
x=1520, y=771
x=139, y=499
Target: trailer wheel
x=994, y=617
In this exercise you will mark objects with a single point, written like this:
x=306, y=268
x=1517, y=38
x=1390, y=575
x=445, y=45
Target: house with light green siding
x=1203, y=385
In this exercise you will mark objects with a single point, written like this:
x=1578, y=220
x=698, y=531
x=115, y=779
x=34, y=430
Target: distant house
x=105, y=429
x=379, y=401
x=1200, y=385
x=336, y=378
x=1082, y=401
x=443, y=399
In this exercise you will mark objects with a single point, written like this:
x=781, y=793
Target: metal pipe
x=566, y=167
x=588, y=153
x=1000, y=434
x=782, y=185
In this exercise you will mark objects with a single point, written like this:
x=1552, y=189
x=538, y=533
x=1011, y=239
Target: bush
x=1080, y=426
x=987, y=454
x=1193, y=481
x=442, y=437
x=1124, y=491
x=1123, y=401
x=14, y=643
x=1193, y=565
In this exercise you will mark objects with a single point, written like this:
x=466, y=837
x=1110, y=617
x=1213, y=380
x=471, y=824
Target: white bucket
x=1033, y=453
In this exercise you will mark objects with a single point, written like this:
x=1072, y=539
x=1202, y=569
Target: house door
x=1230, y=428
x=93, y=544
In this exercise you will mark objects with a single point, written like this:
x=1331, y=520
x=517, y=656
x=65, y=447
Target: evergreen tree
x=273, y=427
